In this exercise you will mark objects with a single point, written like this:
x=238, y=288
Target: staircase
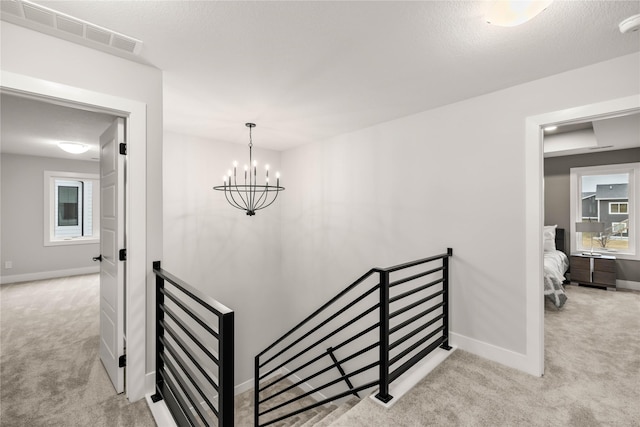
x=321, y=416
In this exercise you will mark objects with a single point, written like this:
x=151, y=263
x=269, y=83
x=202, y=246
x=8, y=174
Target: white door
x=112, y=241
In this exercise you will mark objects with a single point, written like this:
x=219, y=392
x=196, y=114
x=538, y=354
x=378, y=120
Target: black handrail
x=190, y=394
x=296, y=359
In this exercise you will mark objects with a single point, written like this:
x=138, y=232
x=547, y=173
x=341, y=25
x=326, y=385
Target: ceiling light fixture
x=73, y=147
x=550, y=128
x=514, y=12
x=249, y=196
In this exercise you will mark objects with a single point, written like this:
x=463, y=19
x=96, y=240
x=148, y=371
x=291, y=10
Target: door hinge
x=122, y=361
x=122, y=255
x=123, y=148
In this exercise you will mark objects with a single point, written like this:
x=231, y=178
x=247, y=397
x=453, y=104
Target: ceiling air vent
x=12, y=7
x=71, y=26
x=38, y=14
x=52, y=22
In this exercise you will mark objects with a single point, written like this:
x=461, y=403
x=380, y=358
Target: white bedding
x=556, y=264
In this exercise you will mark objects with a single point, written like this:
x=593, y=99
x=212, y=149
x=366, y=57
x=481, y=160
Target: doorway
x=534, y=217
x=136, y=272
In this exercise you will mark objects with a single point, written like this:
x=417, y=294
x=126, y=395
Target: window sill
x=73, y=241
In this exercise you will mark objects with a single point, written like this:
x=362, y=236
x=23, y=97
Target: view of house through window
x=605, y=198
x=72, y=213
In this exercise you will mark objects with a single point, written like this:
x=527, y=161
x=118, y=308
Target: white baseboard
x=628, y=284
x=489, y=351
x=48, y=274
x=413, y=376
x=160, y=412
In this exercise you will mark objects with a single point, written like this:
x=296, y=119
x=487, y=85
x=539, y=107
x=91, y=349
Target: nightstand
x=594, y=270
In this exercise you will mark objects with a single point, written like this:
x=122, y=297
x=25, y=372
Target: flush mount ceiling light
x=510, y=13
x=73, y=147
x=550, y=128
x=249, y=196
x=630, y=24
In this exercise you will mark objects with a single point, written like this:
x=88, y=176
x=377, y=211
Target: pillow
x=549, y=236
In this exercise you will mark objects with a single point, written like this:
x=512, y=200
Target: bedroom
x=602, y=157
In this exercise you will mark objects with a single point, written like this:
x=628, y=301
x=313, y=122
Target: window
x=619, y=208
x=607, y=194
x=71, y=210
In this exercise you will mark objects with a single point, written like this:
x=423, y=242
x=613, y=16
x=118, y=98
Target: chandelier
x=249, y=196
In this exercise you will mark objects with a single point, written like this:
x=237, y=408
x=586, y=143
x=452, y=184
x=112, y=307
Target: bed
x=556, y=264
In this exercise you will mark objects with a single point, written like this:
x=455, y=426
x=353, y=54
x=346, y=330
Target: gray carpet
x=592, y=376
x=50, y=371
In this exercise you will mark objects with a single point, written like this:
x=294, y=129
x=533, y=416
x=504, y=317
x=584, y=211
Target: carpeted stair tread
x=330, y=419
x=322, y=413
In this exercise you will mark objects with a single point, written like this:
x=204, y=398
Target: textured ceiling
x=305, y=71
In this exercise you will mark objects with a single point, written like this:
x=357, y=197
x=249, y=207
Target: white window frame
x=619, y=204
x=575, y=177
x=50, y=178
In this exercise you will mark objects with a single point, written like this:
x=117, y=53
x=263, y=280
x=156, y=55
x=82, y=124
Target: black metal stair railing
x=366, y=336
x=194, y=353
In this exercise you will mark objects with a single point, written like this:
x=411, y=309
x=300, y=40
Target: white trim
x=492, y=352
x=160, y=412
x=136, y=211
x=534, y=204
x=413, y=376
x=43, y=275
x=628, y=284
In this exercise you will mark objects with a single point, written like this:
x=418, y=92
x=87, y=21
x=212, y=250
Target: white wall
x=220, y=250
x=43, y=57
x=448, y=177
x=23, y=223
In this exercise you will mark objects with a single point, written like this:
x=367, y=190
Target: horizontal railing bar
x=415, y=359
x=189, y=395
x=415, y=276
x=206, y=301
x=415, y=304
x=326, y=337
x=320, y=325
x=179, y=399
x=188, y=373
x=191, y=334
x=316, y=389
x=414, y=318
x=321, y=402
x=415, y=345
x=315, y=359
x=315, y=313
x=328, y=368
x=415, y=290
x=415, y=332
x=195, y=316
x=186, y=350
x=412, y=263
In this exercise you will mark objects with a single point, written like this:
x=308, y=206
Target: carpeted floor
x=592, y=376
x=50, y=371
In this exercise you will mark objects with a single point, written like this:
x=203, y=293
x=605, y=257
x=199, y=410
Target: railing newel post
x=445, y=299
x=383, y=392
x=225, y=370
x=159, y=332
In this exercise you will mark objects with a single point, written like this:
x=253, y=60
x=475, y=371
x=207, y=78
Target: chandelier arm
x=235, y=185
x=261, y=202
x=232, y=202
x=274, y=199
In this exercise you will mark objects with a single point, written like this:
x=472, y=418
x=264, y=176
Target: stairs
x=321, y=416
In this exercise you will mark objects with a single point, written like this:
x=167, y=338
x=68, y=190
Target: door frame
x=136, y=270
x=534, y=211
